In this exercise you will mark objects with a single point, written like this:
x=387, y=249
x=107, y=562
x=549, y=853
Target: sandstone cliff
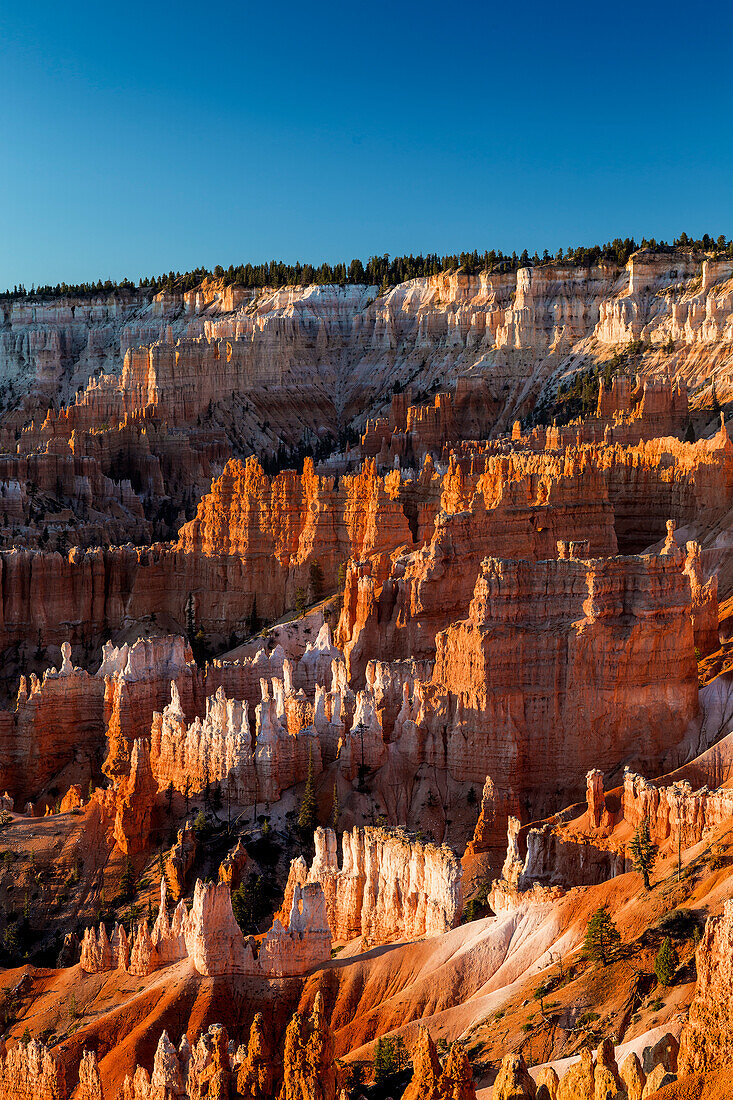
x=707, y=1039
x=389, y=886
x=210, y=937
x=219, y=748
x=346, y=346
x=565, y=661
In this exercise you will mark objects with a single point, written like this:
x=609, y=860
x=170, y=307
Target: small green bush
x=666, y=962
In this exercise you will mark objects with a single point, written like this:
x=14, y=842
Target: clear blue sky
x=143, y=137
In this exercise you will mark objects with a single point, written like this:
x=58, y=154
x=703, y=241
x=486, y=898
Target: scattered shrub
x=666, y=962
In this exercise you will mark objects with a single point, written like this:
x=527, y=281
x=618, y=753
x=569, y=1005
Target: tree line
x=381, y=271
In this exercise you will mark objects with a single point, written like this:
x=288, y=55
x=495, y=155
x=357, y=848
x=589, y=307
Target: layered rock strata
x=137, y=683
x=568, y=664
x=516, y=506
x=587, y=850
x=286, y=526
x=57, y=724
x=219, y=748
x=389, y=887
x=707, y=1038
x=676, y=813
x=211, y=939
x=351, y=344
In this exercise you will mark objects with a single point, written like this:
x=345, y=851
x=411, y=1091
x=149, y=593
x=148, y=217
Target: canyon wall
x=257, y=540
x=390, y=886
x=211, y=939
x=707, y=1038
x=513, y=506
x=219, y=749
x=57, y=725
x=283, y=526
x=590, y=659
x=676, y=813
x=345, y=347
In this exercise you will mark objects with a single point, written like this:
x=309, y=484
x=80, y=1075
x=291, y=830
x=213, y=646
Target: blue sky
x=139, y=138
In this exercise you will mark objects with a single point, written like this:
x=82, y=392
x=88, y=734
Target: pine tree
x=602, y=936
x=666, y=962
x=379, y=1059
x=190, y=612
x=254, y=619
x=384, y=1059
x=316, y=579
x=242, y=907
x=643, y=852
x=400, y=1054
x=299, y=601
x=127, y=882
x=307, y=817
x=335, y=809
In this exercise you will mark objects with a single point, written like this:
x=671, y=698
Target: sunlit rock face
x=390, y=886
x=209, y=936
x=707, y=1038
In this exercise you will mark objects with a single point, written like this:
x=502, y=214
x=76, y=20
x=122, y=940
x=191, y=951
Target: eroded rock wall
x=390, y=886
x=707, y=1038
x=210, y=937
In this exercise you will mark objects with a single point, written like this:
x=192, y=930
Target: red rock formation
x=308, y=1057
x=457, y=1080
x=555, y=656
x=180, y=861
x=219, y=749
x=494, y=804
x=517, y=506
x=704, y=602
x=430, y=1081
x=427, y=1073
x=389, y=887
x=594, y=797
x=279, y=527
x=529, y=501
x=412, y=431
x=137, y=682
x=211, y=938
x=191, y=1073
x=60, y=498
x=29, y=1071
x=514, y=1082
x=134, y=800
x=707, y=1038
x=304, y=343
x=674, y=810
x=256, y=1074
x=72, y=800
x=58, y=724
x=90, y=1083
x=587, y=850
x=233, y=867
